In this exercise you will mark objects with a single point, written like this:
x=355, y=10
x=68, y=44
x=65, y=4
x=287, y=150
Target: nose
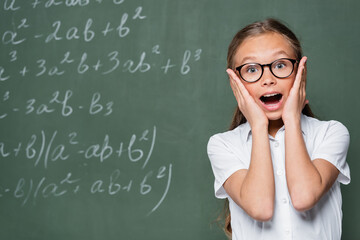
x=268, y=79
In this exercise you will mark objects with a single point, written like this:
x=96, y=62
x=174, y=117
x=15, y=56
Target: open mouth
x=270, y=99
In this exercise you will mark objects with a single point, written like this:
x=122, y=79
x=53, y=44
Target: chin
x=274, y=116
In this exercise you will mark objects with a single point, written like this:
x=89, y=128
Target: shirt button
x=287, y=232
x=284, y=200
x=276, y=144
x=279, y=172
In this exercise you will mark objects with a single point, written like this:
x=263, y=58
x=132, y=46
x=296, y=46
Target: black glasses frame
x=293, y=61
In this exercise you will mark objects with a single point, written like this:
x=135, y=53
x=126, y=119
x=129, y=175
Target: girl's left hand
x=296, y=100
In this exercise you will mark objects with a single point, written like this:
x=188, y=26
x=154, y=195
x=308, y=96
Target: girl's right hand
x=246, y=103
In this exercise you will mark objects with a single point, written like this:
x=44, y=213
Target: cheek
x=289, y=84
x=251, y=88
x=288, y=87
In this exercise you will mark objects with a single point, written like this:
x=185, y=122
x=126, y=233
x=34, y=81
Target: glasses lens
x=251, y=72
x=282, y=68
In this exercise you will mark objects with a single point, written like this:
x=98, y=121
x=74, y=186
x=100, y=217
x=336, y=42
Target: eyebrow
x=280, y=52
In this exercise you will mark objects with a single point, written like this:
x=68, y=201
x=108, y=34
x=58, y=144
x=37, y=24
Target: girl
x=279, y=167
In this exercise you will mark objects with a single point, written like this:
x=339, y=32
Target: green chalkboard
x=106, y=107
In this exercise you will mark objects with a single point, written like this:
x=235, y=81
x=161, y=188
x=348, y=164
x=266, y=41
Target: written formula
x=113, y=62
x=56, y=32
x=61, y=102
x=47, y=149
x=15, y=5
x=117, y=183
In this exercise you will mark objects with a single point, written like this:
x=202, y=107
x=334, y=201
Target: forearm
x=303, y=179
x=258, y=188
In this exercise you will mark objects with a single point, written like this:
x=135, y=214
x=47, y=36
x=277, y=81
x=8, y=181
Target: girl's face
x=269, y=92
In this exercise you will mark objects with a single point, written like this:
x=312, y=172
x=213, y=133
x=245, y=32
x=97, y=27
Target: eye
x=251, y=69
x=281, y=64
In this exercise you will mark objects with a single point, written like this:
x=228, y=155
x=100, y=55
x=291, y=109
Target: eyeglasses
x=281, y=68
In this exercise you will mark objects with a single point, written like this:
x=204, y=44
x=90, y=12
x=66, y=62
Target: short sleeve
x=224, y=163
x=333, y=148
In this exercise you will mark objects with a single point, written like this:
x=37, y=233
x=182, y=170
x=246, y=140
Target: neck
x=274, y=126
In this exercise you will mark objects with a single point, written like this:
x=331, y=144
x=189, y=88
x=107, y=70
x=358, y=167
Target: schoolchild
x=279, y=168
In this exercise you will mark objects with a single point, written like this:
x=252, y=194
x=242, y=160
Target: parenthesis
x=28, y=195
x=42, y=148
x=38, y=188
x=151, y=148
x=48, y=149
x=165, y=193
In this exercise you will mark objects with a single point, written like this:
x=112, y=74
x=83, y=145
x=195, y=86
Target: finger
x=303, y=82
x=233, y=83
x=303, y=78
x=302, y=96
x=241, y=86
x=239, y=97
x=305, y=72
x=300, y=72
x=235, y=89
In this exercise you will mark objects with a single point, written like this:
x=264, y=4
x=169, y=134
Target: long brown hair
x=269, y=25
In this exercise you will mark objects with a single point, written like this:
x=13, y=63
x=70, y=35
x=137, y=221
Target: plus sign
x=167, y=66
x=97, y=65
x=107, y=29
x=23, y=71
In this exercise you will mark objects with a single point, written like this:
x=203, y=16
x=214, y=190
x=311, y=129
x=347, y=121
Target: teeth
x=270, y=95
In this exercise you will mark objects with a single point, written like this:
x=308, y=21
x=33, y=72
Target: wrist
x=293, y=123
x=292, y=120
x=260, y=127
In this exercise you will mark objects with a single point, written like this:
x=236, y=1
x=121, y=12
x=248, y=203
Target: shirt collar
x=247, y=128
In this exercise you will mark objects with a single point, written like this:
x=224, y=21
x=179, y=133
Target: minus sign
x=15, y=109
x=81, y=151
x=38, y=36
x=7, y=190
x=81, y=107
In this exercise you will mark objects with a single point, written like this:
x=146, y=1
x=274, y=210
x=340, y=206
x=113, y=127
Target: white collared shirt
x=231, y=151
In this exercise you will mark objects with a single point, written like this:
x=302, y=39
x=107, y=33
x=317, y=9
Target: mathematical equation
x=14, y=5
x=24, y=31
x=117, y=183
x=46, y=151
x=69, y=42
x=85, y=33
x=86, y=63
x=59, y=100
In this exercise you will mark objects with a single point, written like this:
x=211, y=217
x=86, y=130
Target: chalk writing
x=113, y=62
x=44, y=148
x=64, y=133
x=29, y=190
x=118, y=182
x=94, y=106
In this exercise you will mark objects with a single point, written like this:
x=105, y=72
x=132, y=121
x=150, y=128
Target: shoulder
x=315, y=127
x=329, y=140
x=325, y=139
x=230, y=138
